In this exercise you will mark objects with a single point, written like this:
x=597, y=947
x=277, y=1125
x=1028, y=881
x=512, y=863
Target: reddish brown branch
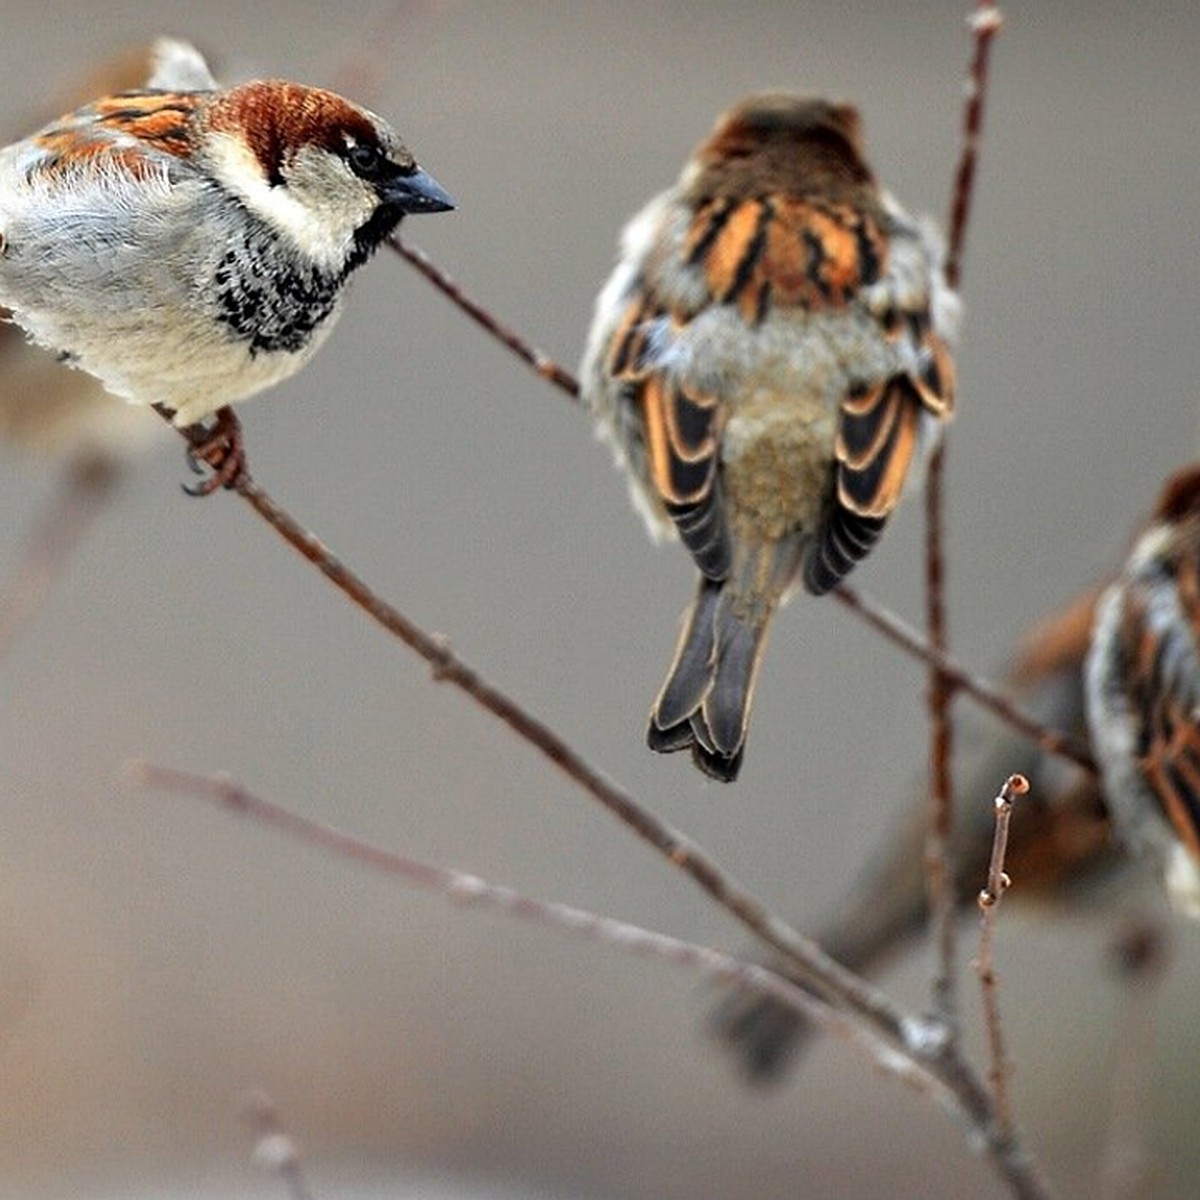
x=989, y=903
x=986, y=694
x=543, y=364
x=985, y=24
x=939, y=864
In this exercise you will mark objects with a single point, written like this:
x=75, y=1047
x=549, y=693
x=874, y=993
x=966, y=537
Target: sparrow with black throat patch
x=189, y=245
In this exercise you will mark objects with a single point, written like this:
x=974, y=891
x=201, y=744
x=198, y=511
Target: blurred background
x=157, y=958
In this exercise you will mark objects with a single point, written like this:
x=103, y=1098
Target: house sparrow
x=1060, y=852
x=1143, y=692
x=188, y=245
x=767, y=359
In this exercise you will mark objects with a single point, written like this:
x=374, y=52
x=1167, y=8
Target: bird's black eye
x=366, y=160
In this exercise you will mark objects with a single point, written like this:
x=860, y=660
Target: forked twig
x=822, y=973
x=997, y=884
x=945, y=1079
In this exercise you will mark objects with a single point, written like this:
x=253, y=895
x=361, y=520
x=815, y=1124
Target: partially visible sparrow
x=188, y=245
x=44, y=407
x=1143, y=692
x=1060, y=852
x=768, y=359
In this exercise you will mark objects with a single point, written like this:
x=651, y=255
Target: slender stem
x=986, y=694
x=985, y=24
x=985, y=964
x=939, y=861
x=543, y=364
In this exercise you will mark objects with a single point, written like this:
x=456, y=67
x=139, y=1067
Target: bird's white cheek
x=323, y=232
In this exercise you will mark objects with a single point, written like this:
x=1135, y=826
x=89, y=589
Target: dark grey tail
x=704, y=705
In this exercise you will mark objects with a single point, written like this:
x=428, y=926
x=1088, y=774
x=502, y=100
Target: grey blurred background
x=156, y=958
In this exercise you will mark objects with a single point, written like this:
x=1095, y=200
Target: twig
x=985, y=693
x=275, y=1152
x=1142, y=956
x=541, y=363
x=86, y=487
x=985, y=24
x=989, y=984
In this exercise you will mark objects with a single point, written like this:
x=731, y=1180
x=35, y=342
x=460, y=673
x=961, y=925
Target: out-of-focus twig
x=274, y=1151
x=985, y=963
x=85, y=489
x=985, y=23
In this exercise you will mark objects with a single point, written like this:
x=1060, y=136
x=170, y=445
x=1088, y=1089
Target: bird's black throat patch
x=267, y=296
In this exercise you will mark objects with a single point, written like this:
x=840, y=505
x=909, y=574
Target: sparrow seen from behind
x=768, y=359
x=189, y=244
x=1143, y=692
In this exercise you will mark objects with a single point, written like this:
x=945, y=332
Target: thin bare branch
x=997, y=884
x=985, y=24
x=912, y=1058
x=83, y=492
x=939, y=862
x=541, y=363
x=986, y=694
x=469, y=890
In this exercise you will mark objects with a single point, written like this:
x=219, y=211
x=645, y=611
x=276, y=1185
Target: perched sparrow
x=188, y=245
x=1143, y=692
x=767, y=359
x=1060, y=853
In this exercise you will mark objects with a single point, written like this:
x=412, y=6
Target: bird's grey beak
x=416, y=193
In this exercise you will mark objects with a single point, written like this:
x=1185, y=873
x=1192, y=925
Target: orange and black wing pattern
x=681, y=430
x=119, y=129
